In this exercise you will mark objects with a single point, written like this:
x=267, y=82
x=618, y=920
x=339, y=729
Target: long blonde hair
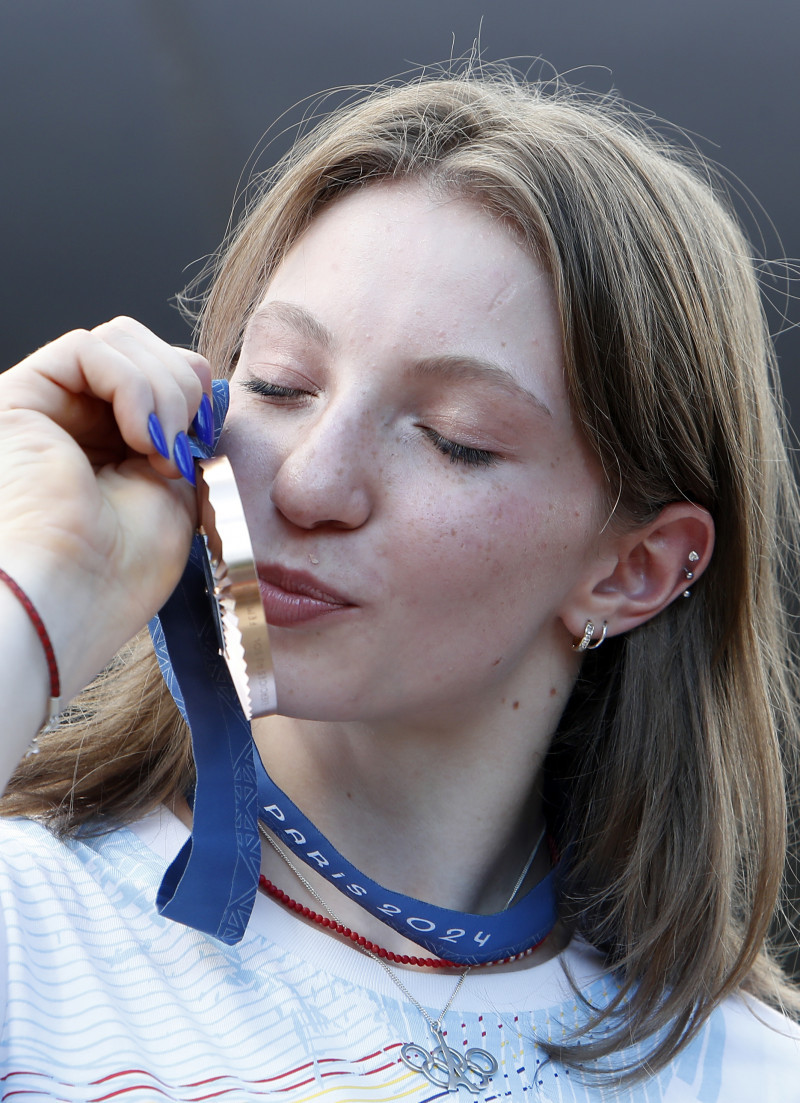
x=665, y=783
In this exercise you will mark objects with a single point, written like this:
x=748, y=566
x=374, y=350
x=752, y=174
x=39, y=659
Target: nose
x=326, y=474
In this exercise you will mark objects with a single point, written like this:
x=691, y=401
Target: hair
x=665, y=783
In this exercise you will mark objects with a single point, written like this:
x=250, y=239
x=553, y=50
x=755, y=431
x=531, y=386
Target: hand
x=95, y=524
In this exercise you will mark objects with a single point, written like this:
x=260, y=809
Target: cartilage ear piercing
x=587, y=641
x=693, y=557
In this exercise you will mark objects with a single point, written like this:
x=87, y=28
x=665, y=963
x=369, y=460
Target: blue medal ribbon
x=464, y=937
x=211, y=884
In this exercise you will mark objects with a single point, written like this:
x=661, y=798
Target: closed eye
x=460, y=453
x=264, y=389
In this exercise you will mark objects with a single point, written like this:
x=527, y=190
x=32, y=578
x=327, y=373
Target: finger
x=174, y=376
x=181, y=383
x=73, y=381
x=174, y=356
x=199, y=365
x=120, y=367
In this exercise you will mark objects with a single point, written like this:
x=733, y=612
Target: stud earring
x=693, y=557
x=587, y=641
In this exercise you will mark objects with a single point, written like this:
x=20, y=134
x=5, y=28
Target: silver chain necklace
x=441, y=1065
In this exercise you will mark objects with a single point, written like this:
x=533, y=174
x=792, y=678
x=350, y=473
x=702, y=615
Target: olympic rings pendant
x=447, y=1068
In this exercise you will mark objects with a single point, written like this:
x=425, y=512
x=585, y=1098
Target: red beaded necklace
x=479, y=1062
x=371, y=947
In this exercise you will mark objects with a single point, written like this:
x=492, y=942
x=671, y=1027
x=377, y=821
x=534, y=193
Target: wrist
x=55, y=637
x=24, y=683
x=54, y=704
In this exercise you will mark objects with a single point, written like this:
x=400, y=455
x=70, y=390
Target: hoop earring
x=587, y=641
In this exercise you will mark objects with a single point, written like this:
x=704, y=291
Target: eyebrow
x=296, y=318
x=471, y=369
x=452, y=368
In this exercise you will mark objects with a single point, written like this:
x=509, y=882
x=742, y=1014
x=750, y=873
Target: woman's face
x=421, y=505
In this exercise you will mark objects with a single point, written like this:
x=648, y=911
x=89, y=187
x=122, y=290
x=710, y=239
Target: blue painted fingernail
x=203, y=424
x=157, y=436
x=184, y=458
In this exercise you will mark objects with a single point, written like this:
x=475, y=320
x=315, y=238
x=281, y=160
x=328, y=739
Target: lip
x=296, y=597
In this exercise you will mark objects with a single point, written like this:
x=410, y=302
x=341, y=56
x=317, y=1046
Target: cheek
x=251, y=457
x=477, y=545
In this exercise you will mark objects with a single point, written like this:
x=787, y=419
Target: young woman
x=501, y=417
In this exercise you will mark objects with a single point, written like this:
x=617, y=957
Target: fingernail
x=184, y=458
x=203, y=424
x=157, y=436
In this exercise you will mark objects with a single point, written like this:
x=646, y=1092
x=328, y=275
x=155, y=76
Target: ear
x=641, y=571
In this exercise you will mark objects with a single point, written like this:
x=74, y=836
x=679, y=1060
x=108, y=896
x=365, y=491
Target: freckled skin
x=413, y=726
x=449, y=565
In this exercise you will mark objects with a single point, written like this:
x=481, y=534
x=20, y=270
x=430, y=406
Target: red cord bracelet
x=41, y=632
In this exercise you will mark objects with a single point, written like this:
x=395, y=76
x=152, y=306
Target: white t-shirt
x=107, y=1001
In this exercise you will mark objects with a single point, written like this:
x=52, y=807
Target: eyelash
x=460, y=453
x=457, y=453
x=264, y=389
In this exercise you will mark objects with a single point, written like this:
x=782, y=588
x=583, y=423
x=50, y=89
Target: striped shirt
x=106, y=1000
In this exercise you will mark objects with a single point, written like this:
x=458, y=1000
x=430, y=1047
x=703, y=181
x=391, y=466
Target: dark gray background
x=125, y=124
